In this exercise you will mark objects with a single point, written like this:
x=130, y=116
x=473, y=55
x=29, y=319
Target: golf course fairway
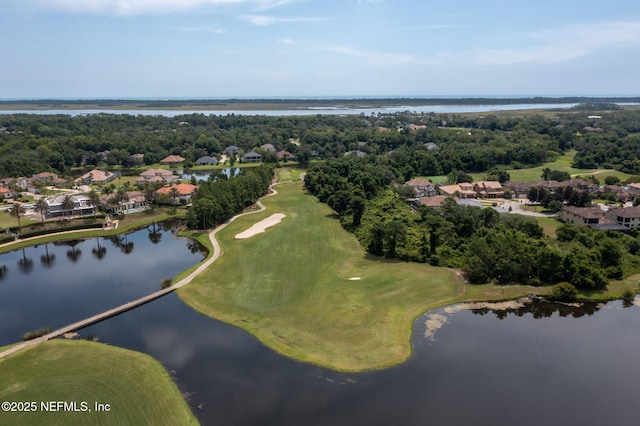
x=132, y=388
x=307, y=289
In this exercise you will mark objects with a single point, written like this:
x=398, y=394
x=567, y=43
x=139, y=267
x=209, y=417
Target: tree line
x=486, y=245
x=217, y=200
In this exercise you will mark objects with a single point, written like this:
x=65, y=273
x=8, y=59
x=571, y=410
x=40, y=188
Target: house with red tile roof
x=184, y=192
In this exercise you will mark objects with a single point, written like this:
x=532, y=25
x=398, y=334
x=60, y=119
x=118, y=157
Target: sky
x=318, y=48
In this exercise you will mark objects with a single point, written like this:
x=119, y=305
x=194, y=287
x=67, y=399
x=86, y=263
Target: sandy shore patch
x=260, y=227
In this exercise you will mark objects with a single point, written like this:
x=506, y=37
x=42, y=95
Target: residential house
x=489, y=189
x=172, y=160
x=582, y=215
x=6, y=193
x=431, y=145
x=268, y=147
x=422, y=187
x=184, y=194
x=628, y=217
x=432, y=201
x=461, y=190
x=95, y=177
x=356, y=153
x=207, y=161
x=156, y=175
x=251, y=157
x=634, y=188
x=81, y=206
x=285, y=156
x=134, y=202
x=232, y=150
x=137, y=158
x=45, y=176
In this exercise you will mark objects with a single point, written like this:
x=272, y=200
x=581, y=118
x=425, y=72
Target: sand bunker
x=355, y=279
x=261, y=226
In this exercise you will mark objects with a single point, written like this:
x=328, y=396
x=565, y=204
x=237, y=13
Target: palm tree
x=94, y=200
x=17, y=211
x=120, y=198
x=174, y=194
x=68, y=203
x=41, y=206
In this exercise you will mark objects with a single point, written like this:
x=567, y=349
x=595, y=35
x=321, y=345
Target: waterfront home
x=268, y=147
x=251, y=157
x=172, y=160
x=184, y=192
x=133, y=202
x=207, y=161
x=156, y=175
x=81, y=206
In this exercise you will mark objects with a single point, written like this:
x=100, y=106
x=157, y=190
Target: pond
x=539, y=363
x=55, y=284
x=204, y=174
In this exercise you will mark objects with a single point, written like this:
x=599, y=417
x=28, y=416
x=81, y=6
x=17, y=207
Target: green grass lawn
x=137, y=388
x=563, y=163
x=291, y=288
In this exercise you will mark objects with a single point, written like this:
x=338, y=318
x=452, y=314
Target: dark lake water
x=204, y=174
x=55, y=284
x=543, y=364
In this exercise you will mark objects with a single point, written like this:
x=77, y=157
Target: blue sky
x=309, y=48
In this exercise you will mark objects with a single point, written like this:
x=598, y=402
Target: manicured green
x=137, y=388
x=290, y=287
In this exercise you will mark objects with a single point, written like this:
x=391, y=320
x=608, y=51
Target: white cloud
x=375, y=58
x=201, y=29
x=562, y=44
x=266, y=20
x=288, y=41
x=141, y=7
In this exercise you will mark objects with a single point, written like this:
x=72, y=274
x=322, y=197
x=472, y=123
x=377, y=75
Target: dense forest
x=412, y=144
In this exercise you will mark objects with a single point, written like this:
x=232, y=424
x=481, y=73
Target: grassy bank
x=137, y=388
x=294, y=287
x=308, y=290
x=129, y=222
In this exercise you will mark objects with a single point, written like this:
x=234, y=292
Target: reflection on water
x=75, y=279
x=526, y=363
x=524, y=369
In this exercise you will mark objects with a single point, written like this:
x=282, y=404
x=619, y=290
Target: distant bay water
x=440, y=109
